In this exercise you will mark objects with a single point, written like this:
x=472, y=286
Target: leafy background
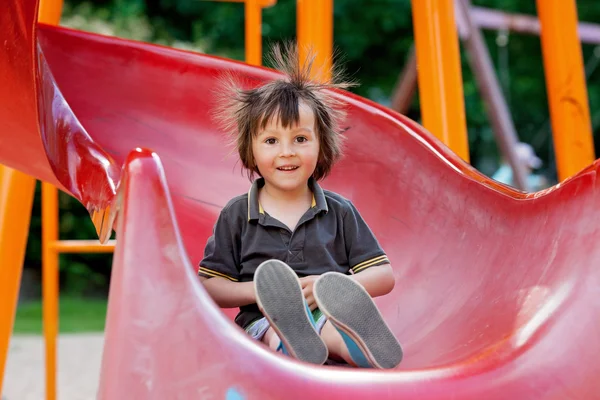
x=374, y=37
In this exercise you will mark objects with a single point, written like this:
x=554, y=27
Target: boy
x=287, y=226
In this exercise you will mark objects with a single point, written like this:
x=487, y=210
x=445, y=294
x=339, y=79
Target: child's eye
x=301, y=139
x=270, y=141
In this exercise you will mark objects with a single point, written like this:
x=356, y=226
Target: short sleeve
x=221, y=252
x=362, y=247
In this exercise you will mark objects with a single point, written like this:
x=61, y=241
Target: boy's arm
x=228, y=294
x=368, y=262
x=377, y=281
x=218, y=268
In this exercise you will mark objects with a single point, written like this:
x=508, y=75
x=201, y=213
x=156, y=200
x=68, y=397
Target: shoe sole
x=352, y=311
x=279, y=297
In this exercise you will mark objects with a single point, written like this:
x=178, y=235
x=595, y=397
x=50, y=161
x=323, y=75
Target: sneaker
x=351, y=310
x=279, y=297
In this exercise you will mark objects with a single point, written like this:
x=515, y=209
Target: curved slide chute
x=496, y=290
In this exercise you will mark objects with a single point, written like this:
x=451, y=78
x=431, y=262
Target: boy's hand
x=307, y=290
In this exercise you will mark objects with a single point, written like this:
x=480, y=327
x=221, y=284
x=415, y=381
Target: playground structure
x=477, y=321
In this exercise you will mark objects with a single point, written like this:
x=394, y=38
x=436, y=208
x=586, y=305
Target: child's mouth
x=287, y=168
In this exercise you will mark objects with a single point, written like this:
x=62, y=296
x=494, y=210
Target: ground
x=79, y=359
x=79, y=351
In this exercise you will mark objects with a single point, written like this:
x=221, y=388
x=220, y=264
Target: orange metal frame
x=252, y=27
x=440, y=84
x=52, y=247
x=314, y=22
x=439, y=73
x=567, y=91
x=16, y=200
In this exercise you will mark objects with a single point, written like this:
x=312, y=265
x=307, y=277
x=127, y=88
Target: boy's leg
x=352, y=312
x=279, y=297
x=261, y=331
x=271, y=339
x=335, y=344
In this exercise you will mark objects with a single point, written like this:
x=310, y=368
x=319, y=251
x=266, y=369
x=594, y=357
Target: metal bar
x=406, y=85
x=253, y=32
x=252, y=27
x=315, y=35
x=82, y=246
x=16, y=200
x=486, y=18
x=50, y=289
x=261, y=3
x=497, y=109
x=327, y=36
x=50, y=11
x=489, y=19
x=439, y=73
x=566, y=86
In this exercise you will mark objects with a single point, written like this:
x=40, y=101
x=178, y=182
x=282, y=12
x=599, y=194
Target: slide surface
x=496, y=291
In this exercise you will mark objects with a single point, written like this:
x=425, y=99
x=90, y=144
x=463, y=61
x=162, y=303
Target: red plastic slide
x=497, y=292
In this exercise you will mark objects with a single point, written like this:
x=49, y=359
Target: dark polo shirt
x=330, y=236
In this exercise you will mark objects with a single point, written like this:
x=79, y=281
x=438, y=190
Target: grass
x=76, y=315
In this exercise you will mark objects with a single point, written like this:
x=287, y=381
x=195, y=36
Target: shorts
x=258, y=328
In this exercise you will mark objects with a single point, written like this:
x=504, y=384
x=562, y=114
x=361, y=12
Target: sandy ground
x=79, y=358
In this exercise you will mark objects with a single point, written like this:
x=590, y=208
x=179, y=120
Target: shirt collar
x=319, y=203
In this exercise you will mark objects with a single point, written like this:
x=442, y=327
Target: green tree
x=373, y=38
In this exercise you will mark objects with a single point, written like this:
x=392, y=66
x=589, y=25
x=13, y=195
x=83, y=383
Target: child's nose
x=287, y=150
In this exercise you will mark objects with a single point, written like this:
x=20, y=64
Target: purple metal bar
x=486, y=18
x=406, y=85
x=497, y=109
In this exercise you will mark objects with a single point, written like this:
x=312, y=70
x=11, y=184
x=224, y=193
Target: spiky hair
x=243, y=113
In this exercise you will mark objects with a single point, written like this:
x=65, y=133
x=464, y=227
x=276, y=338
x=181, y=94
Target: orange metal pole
x=253, y=32
x=50, y=11
x=253, y=27
x=315, y=34
x=50, y=288
x=16, y=200
x=262, y=3
x=567, y=92
x=439, y=73
x=327, y=35
x=82, y=246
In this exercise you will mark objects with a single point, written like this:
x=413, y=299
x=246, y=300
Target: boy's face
x=287, y=157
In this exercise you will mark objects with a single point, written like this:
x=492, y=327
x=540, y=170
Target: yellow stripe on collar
x=261, y=209
x=249, y=203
